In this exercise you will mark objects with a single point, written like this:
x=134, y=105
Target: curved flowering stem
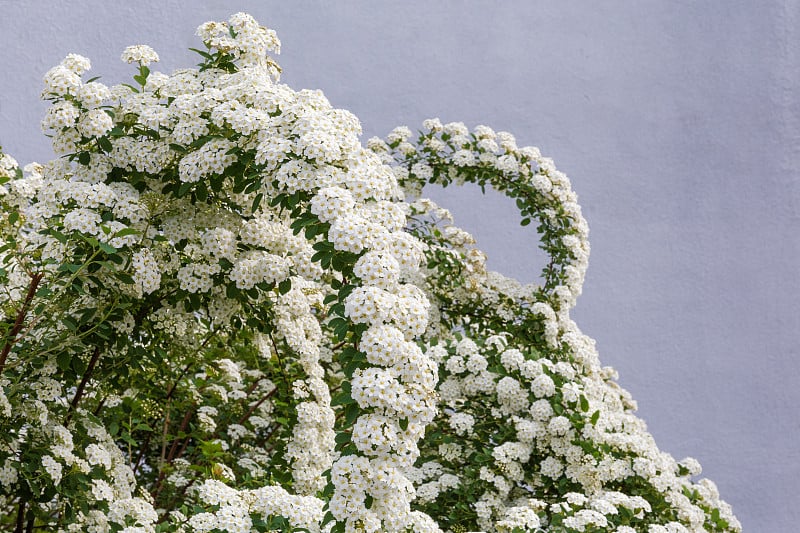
x=447, y=154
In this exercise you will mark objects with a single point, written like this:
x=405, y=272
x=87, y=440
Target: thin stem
x=184, y=424
x=173, y=449
x=86, y=376
x=32, y=288
x=172, y=388
x=256, y=406
x=142, y=451
x=99, y=406
x=164, y=432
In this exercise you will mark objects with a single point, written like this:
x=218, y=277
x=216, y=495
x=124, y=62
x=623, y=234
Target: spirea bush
x=220, y=312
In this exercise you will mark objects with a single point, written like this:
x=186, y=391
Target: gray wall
x=678, y=122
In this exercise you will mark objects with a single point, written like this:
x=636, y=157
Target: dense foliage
x=221, y=312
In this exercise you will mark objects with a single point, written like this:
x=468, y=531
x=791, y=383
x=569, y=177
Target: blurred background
x=678, y=123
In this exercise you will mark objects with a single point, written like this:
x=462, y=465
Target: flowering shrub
x=218, y=313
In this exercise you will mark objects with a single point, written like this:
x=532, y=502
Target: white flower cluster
x=242, y=37
x=571, y=423
x=312, y=444
x=235, y=508
x=113, y=494
x=395, y=396
x=542, y=449
x=229, y=238
x=139, y=53
x=357, y=197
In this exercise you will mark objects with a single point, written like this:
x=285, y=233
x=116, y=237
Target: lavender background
x=677, y=121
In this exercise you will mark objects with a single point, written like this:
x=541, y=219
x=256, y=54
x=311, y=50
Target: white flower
x=95, y=123
x=52, y=468
x=76, y=63
x=102, y=491
x=59, y=81
x=140, y=53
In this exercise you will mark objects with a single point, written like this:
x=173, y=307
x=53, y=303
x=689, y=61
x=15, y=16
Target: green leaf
x=204, y=54
x=285, y=286
x=216, y=181
x=336, y=323
x=69, y=322
x=44, y=292
x=201, y=193
x=403, y=423
x=231, y=291
x=351, y=412
x=125, y=232
x=104, y=143
x=63, y=360
x=330, y=299
x=87, y=315
x=79, y=365
x=257, y=201
x=319, y=256
x=595, y=417
x=107, y=248
x=115, y=258
x=584, y=403
x=343, y=398
x=202, y=140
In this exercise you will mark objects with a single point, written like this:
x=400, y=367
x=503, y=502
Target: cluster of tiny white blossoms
x=395, y=391
x=537, y=411
x=219, y=314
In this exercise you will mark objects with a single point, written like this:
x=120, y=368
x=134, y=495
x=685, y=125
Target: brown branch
x=194, y=479
x=184, y=445
x=99, y=406
x=262, y=442
x=20, y=516
x=177, y=380
x=86, y=376
x=142, y=451
x=253, y=386
x=184, y=424
x=256, y=406
x=32, y=288
x=173, y=449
